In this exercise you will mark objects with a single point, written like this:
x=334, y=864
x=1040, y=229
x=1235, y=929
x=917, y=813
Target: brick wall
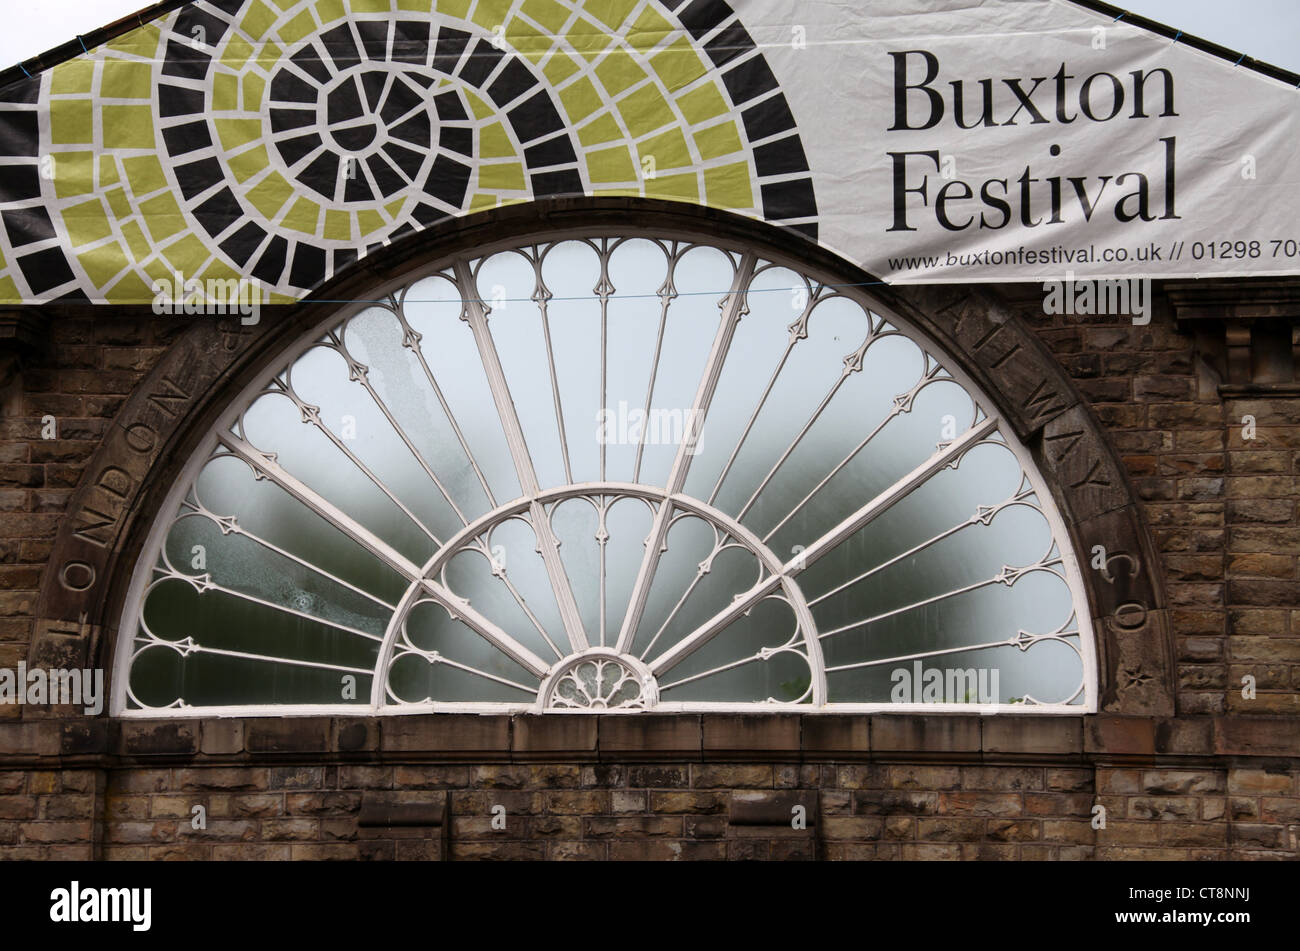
x=682, y=811
x=1220, y=780
x=82, y=379
x=710, y=787
x=1221, y=498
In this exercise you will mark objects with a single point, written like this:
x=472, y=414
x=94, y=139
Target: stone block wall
x=1217, y=473
x=698, y=787
x=1215, y=465
x=80, y=379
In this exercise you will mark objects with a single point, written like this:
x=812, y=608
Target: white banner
x=1021, y=139
x=925, y=140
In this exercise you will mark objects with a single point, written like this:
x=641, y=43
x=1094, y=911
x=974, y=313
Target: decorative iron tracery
x=777, y=528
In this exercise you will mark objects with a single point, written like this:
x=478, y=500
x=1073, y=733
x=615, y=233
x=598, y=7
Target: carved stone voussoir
x=91, y=537
x=1074, y=453
x=1137, y=672
x=1137, y=657
x=61, y=645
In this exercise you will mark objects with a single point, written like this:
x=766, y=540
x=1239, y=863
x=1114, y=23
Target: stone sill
x=469, y=738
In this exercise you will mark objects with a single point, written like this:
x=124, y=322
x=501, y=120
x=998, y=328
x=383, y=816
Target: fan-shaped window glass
x=609, y=473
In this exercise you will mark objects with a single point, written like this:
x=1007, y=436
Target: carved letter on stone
x=86, y=531
x=115, y=481
x=77, y=576
x=1130, y=616
x=141, y=442
x=174, y=395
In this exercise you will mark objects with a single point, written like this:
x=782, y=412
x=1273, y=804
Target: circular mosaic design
x=241, y=138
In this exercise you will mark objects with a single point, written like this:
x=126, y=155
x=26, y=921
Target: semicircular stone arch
x=1021, y=398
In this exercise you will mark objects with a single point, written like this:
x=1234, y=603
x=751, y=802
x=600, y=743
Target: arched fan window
x=609, y=472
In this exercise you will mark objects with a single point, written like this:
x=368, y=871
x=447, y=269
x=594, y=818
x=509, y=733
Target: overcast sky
x=1265, y=29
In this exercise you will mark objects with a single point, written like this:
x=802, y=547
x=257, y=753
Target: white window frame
x=782, y=574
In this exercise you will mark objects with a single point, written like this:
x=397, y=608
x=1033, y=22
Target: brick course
x=1002, y=812
x=1197, y=788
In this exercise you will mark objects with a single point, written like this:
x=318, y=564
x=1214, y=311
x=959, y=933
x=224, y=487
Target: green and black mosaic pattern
x=282, y=139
